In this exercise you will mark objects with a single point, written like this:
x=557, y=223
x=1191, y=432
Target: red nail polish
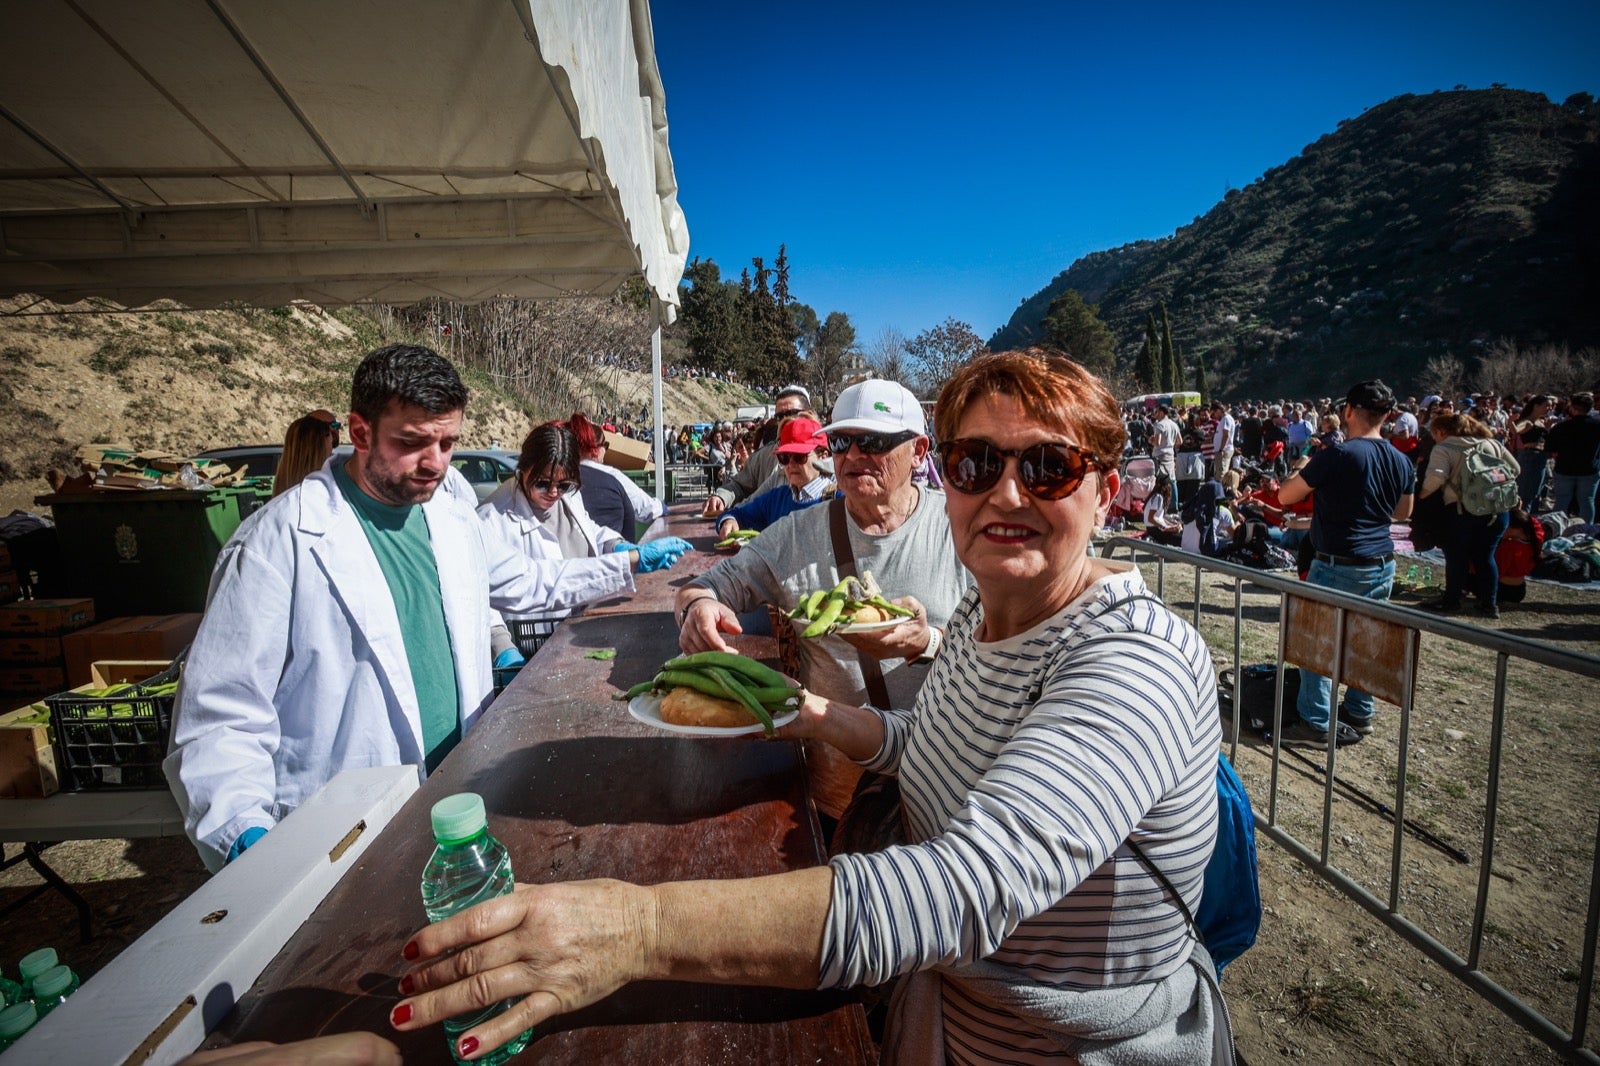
x=468, y=1045
x=411, y=950
x=401, y=1015
x=407, y=985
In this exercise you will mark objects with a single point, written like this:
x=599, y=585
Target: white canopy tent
x=336, y=151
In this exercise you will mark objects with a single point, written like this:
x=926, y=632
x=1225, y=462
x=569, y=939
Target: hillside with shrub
x=1432, y=227
x=185, y=381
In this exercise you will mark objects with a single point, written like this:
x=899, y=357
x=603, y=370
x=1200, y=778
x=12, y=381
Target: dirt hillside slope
x=192, y=380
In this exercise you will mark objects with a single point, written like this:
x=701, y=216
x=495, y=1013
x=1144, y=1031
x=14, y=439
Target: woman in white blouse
x=541, y=511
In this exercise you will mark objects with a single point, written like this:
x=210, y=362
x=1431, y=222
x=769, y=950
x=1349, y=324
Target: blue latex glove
x=244, y=840
x=507, y=658
x=660, y=554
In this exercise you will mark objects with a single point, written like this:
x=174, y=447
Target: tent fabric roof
x=210, y=151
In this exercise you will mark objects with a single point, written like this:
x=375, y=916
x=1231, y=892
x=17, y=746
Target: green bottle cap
x=14, y=1021
x=37, y=962
x=459, y=817
x=52, y=982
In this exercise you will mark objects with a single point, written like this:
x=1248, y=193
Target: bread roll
x=868, y=613
x=685, y=706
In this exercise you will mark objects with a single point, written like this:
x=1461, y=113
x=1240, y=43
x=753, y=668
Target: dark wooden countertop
x=576, y=788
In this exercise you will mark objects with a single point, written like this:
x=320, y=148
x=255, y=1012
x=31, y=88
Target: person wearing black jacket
x=1575, y=444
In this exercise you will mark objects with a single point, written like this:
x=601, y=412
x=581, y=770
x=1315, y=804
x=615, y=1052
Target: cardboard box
x=32, y=651
x=27, y=761
x=27, y=681
x=625, y=453
x=45, y=618
x=103, y=674
x=144, y=636
x=10, y=586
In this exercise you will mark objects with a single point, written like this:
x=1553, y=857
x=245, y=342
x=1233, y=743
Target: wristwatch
x=935, y=638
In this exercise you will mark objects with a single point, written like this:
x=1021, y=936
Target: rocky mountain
x=1429, y=225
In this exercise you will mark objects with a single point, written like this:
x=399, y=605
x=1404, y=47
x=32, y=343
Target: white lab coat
x=646, y=508
x=509, y=515
x=299, y=669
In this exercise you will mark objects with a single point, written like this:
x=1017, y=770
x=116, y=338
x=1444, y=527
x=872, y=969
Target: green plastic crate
x=146, y=552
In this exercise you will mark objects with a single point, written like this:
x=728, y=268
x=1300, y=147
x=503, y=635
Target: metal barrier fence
x=1348, y=612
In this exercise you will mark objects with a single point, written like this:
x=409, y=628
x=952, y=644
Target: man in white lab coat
x=348, y=621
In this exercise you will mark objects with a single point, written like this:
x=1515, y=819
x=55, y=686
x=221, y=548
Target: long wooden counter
x=577, y=788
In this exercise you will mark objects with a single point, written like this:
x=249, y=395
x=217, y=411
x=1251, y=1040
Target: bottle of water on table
x=468, y=867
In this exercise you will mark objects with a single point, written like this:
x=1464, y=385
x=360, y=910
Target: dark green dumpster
x=146, y=552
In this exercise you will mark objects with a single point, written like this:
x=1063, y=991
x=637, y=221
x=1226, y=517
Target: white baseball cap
x=878, y=406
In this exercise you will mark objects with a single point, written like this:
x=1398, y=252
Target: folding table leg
x=33, y=854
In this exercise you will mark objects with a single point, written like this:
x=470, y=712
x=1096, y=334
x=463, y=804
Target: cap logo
x=879, y=405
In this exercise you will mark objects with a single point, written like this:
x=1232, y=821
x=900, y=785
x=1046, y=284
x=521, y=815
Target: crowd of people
x=1025, y=835
x=1318, y=485
x=1020, y=835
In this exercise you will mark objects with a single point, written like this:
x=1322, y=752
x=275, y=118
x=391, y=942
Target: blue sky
x=933, y=160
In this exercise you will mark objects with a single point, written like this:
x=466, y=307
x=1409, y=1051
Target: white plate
x=872, y=627
x=800, y=625
x=647, y=709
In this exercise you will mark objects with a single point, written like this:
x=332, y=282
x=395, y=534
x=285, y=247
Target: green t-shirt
x=399, y=538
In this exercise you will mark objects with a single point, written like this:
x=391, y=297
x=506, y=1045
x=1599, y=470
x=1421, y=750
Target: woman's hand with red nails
x=559, y=947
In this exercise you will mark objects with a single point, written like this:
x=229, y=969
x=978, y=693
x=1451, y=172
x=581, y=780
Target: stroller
x=1138, y=481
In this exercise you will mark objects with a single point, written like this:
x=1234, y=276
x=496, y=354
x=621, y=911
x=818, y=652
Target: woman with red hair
x=1057, y=816
x=609, y=495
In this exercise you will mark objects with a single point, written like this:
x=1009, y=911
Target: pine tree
x=1200, y=385
x=1170, y=382
x=1147, y=371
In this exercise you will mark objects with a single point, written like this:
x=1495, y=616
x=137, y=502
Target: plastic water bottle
x=33, y=964
x=16, y=1020
x=51, y=988
x=1427, y=578
x=468, y=867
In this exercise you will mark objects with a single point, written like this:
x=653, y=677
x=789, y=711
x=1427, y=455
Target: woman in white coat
x=541, y=513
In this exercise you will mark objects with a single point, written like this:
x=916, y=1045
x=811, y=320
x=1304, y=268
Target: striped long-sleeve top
x=1024, y=767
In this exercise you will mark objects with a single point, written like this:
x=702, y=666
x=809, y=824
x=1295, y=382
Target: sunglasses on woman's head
x=869, y=443
x=1049, y=471
x=560, y=488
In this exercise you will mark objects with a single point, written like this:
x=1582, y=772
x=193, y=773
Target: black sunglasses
x=869, y=443
x=1049, y=471
x=790, y=458
x=560, y=488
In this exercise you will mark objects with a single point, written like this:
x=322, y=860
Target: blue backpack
x=1230, y=904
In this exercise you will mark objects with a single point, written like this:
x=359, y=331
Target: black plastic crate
x=113, y=742
x=529, y=634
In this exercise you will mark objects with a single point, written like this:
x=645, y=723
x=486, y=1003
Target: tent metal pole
x=660, y=439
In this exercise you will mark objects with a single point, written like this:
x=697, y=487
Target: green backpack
x=1488, y=480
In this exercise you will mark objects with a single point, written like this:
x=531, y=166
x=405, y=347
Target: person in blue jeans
x=1575, y=443
x=1360, y=487
x=1470, y=540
